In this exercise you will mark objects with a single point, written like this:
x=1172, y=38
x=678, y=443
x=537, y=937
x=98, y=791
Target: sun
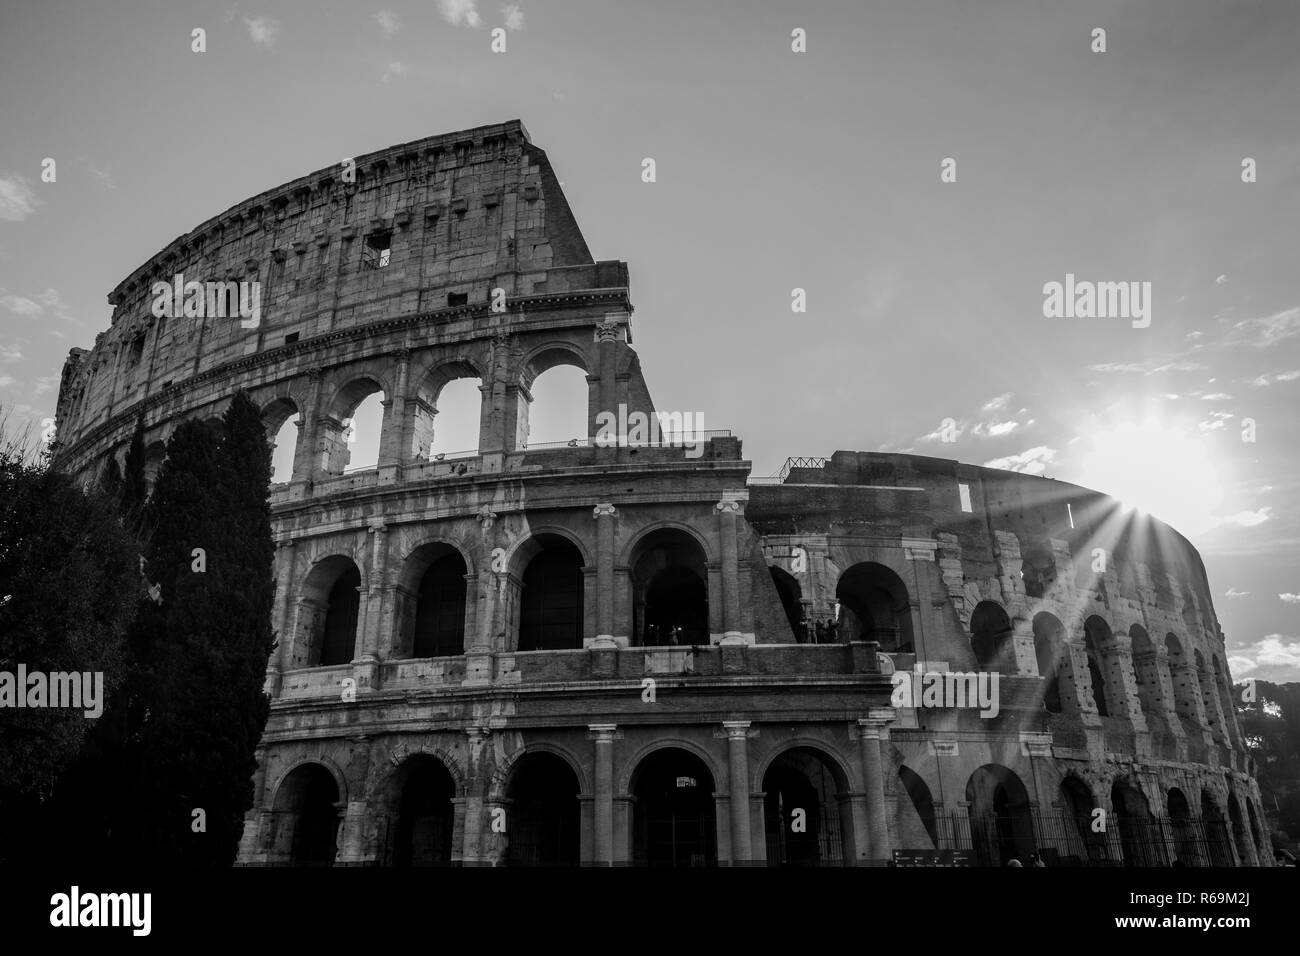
x=1162, y=470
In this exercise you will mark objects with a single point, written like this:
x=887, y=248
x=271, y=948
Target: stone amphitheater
x=632, y=652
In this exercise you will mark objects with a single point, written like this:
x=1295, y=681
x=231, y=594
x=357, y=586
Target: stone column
x=605, y=515
x=478, y=653
x=731, y=624
x=392, y=445
x=306, y=456
x=738, y=787
x=366, y=665
x=873, y=730
x=282, y=615
x=607, y=339
x=603, y=735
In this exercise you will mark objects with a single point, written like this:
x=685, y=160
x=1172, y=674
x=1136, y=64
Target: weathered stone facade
x=593, y=654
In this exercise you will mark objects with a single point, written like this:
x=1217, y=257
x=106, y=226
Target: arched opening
x=432, y=603
x=802, y=814
x=350, y=432
x=557, y=411
x=1001, y=821
x=1216, y=831
x=991, y=638
x=551, y=608
x=1037, y=569
x=1209, y=695
x=1224, y=689
x=327, y=614
x=1096, y=637
x=448, y=413
x=1141, y=840
x=1255, y=834
x=787, y=588
x=1083, y=843
x=922, y=803
x=670, y=598
x=305, y=818
x=420, y=814
x=874, y=606
x=1187, y=841
x=1240, y=839
x=1052, y=656
x=282, y=420
x=1184, y=694
x=1146, y=671
x=673, y=816
x=542, y=814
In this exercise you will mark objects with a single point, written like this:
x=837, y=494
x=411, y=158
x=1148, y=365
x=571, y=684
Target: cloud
x=17, y=201
x=1274, y=651
x=1215, y=397
x=7, y=380
x=1266, y=380
x=263, y=30
x=1031, y=462
x=10, y=353
x=1221, y=280
x=1289, y=598
x=19, y=305
x=1247, y=519
x=46, y=384
x=1233, y=593
x=1149, y=367
x=460, y=12
x=388, y=22
x=997, y=403
x=996, y=429
x=513, y=16
x=1266, y=330
x=397, y=68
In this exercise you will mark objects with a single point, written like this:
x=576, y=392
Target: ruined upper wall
x=461, y=214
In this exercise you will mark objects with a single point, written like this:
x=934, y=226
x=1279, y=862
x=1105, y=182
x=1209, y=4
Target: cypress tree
x=134, y=488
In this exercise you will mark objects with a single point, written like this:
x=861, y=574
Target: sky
x=775, y=170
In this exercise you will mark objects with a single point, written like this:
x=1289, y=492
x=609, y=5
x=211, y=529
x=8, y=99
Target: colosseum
x=630, y=651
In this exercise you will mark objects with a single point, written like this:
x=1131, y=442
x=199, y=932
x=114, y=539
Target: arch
x=1209, y=694
x=557, y=408
x=637, y=543
x=551, y=605
x=1141, y=840
x=417, y=813
x=350, y=434
x=1187, y=842
x=874, y=606
x=1240, y=839
x=1001, y=820
x=305, y=816
x=1097, y=638
x=1052, y=656
x=327, y=613
x=668, y=576
x=432, y=596
x=1255, y=833
x=791, y=595
x=807, y=820
x=674, y=819
x=1216, y=831
x=457, y=431
x=501, y=777
x=922, y=802
x=281, y=419
x=1082, y=845
x=1146, y=673
x=543, y=812
x=525, y=549
x=553, y=354
x=992, y=638
x=1184, y=690
x=840, y=768
x=717, y=770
